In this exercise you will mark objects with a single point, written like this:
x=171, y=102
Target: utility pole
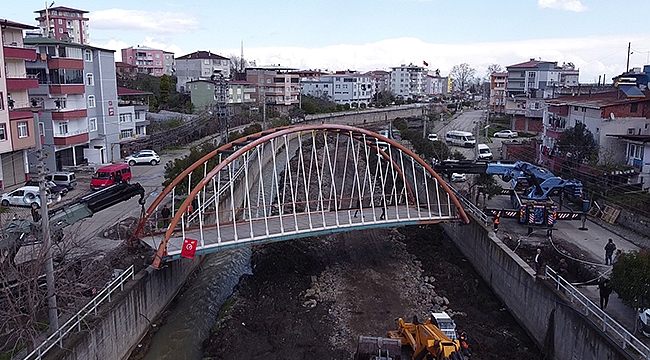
x=45, y=224
x=627, y=65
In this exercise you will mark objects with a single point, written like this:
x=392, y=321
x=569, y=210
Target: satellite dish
x=611, y=116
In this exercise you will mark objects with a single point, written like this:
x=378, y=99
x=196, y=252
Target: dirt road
x=311, y=299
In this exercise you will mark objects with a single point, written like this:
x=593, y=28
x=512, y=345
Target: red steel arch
x=251, y=142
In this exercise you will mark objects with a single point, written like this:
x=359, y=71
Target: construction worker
x=464, y=347
x=496, y=222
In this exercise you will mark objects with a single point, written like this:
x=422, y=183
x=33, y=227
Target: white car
x=143, y=157
x=432, y=137
x=456, y=177
x=506, y=134
x=24, y=196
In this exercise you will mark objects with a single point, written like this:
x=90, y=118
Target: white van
x=484, y=152
x=460, y=138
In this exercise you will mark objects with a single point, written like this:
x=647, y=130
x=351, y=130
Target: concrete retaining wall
x=124, y=321
x=556, y=327
x=366, y=116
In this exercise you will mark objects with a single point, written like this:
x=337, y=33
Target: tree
x=631, y=278
x=165, y=90
x=492, y=68
x=578, y=144
x=238, y=67
x=462, y=75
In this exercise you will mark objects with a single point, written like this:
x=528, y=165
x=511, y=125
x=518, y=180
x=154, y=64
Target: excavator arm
x=65, y=215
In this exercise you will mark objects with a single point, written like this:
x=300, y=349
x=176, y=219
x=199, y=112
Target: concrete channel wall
x=125, y=320
x=557, y=328
x=367, y=116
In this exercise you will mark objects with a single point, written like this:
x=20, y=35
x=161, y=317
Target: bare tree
x=462, y=75
x=492, y=68
x=238, y=67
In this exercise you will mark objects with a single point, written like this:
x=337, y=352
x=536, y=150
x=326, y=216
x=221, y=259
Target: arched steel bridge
x=294, y=182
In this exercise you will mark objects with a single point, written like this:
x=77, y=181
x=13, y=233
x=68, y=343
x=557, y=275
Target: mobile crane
x=426, y=341
x=21, y=231
x=531, y=189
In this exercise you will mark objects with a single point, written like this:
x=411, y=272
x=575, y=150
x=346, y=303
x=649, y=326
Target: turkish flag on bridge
x=189, y=248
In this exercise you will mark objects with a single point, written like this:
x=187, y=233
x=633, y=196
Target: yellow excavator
x=426, y=341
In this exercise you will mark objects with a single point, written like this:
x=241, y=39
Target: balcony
x=21, y=83
x=69, y=115
x=11, y=52
x=70, y=89
x=71, y=138
x=65, y=63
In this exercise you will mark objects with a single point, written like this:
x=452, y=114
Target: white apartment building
x=348, y=88
x=408, y=81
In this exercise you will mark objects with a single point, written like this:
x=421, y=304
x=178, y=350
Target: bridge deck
x=278, y=228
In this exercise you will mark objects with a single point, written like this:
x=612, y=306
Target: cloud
x=154, y=22
x=569, y=5
x=593, y=56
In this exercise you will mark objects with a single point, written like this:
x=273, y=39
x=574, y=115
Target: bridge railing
x=75, y=322
x=606, y=323
x=469, y=207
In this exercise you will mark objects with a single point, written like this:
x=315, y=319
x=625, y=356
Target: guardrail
x=467, y=205
x=75, y=321
x=607, y=324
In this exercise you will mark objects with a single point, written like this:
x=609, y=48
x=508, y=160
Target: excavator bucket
x=376, y=348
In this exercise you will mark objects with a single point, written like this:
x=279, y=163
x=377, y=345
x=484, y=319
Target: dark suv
x=54, y=188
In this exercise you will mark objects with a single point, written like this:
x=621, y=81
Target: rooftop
x=131, y=92
x=8, y=23
x=40, y=40
x=599, y=100
x=62, y=8
x=202, y=55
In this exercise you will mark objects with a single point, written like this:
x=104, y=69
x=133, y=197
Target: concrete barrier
x=125, y=321
x=560, y=330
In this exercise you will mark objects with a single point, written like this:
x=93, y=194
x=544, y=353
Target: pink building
x=16, y=119
x=64, y=23
x=149, y=61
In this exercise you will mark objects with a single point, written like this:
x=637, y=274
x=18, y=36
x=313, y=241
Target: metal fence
x=606, y=323
x=468, y=206
x=76, y=320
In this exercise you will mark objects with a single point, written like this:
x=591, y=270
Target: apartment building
x=343, y=88
x=78, y=95
x=238, y=92
x=436, y=85
x=380, y=80
x=278, y=87
x=200, y=65
x=17, y=133
x=528, y=84
x=408, y=81
x=498, y=83
x=149, y=61
x=619, y=121
x=64, y=23
x=133, y=106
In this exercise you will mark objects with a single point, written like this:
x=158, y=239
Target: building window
x=92, y=124
x=2, y=101
x=634, y=107
x=90, y=79
x=63, y=127
x=125, y=118
x=207, y=62
x=88, y=55
x=60, y=21
x=60, y=30
x=41, y=128
x=3, y=132
x=91, y=101
x=138, y=115
x=22, y=129
x=126, y=133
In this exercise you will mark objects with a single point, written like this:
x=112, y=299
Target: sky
x=365, y=35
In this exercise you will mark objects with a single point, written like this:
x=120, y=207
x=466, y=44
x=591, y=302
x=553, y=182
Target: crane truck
x=425, y=340
x=20, y=231
x=531, y=189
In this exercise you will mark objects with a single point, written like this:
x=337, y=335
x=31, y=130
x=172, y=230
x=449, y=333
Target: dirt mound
x=312, y=298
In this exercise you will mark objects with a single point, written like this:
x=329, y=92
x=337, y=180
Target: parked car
x=25, y=196
x=456, y=177
x=432, y=137
x=109, y=175
x=143, y=157
x=506, y=134
x=51, y=185
x=484, y=152
x=67, y=179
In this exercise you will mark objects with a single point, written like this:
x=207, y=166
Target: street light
x=45, y=224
